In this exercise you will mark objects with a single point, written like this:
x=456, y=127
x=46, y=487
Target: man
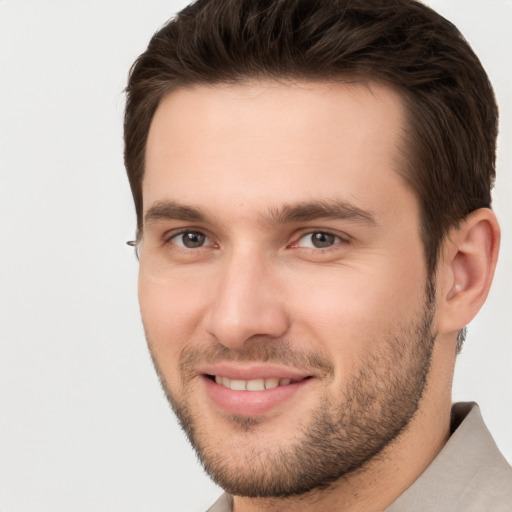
x=312, y=186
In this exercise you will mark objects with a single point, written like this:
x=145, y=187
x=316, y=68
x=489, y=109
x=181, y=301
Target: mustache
x=256, y=351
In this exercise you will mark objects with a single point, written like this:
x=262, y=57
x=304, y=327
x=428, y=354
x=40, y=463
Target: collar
x=468, y=474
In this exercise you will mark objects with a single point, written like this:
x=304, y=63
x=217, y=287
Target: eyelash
x=169, y=239
x=337, y=240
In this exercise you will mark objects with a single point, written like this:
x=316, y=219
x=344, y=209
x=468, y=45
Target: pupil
x=192, y=240
x=322, y=240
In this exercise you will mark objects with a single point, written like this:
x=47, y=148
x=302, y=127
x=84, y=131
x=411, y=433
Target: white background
x=84, y=426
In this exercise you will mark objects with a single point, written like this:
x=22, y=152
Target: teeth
x=238, y=385
x=251, y=385
x=255, y=385
x=271, y=383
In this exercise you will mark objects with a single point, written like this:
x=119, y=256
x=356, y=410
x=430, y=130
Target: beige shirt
x=468, y=475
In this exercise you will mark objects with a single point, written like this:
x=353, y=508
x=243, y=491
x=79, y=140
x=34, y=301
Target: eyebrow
x=306, y=211
x=320, y=209
x=172, y=210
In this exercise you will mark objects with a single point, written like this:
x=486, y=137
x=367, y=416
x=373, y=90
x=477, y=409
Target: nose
x=246, y=303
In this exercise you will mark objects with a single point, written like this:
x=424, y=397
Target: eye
x=190, y=239
x=318, y=240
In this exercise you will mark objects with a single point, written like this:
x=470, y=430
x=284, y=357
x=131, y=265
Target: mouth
x=258, y=384
x=253, y=391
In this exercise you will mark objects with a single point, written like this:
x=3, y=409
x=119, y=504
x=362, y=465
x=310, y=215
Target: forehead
x=259, y=143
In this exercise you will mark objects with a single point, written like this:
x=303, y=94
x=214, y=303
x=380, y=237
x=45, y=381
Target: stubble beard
x=346, y=431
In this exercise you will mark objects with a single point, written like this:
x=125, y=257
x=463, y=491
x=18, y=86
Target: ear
x=466, y=269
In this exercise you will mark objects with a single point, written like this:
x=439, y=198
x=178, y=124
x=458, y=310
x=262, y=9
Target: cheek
x=350, y=311
x=171, y=312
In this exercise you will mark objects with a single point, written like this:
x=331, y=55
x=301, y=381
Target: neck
x=382, y=480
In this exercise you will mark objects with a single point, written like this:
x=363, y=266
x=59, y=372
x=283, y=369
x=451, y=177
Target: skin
x=241, y=157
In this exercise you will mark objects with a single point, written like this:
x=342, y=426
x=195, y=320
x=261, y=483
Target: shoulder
x=469, y=474
x=488, y=482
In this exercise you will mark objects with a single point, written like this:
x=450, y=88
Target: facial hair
x=347, y=429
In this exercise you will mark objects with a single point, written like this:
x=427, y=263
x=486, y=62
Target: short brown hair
x=452, y=115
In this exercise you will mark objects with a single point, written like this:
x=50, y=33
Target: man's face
x=282, y=282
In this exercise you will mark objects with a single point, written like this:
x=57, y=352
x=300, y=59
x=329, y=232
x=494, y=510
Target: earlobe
x=468, y=262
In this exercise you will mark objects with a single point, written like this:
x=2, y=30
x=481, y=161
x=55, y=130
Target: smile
x=262, y=389
x=252, y=384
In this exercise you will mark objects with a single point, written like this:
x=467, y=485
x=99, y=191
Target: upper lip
x=250, y=371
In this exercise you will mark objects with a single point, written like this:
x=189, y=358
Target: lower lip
x=250, y=403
